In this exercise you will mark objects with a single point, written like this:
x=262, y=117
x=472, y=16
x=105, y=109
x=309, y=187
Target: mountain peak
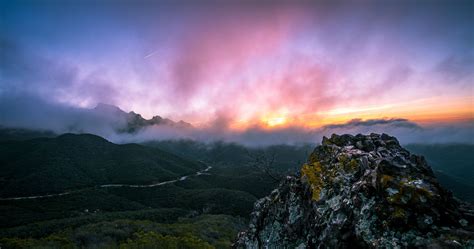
x=362, y=191
x=108, y=108
x=156, y=119
x=133, y=122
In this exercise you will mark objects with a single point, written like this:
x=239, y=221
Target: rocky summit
x=362, y=191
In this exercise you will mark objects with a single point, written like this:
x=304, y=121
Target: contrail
x=150, y=54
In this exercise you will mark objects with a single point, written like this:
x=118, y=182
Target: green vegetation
x=204, y=231
x=8, y=134
x=204, y=211
x=286, y=157
x=68, y=162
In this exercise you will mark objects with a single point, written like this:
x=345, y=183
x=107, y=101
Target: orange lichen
x=351, y=166
x=342, y=158
x=313, y=157
x=385, y=179
x=399, y=213
x=312, y=173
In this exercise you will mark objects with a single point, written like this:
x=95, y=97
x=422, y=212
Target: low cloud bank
x=407, y=131
x=35, y=113
x=29, y=112
x=357, y=123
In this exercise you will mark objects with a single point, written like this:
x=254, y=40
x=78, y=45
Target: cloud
x=456, y=69
x=34, y=113
x=31, y=112
x=220, y=65
x=23, y=71
x=393, y=122
x=220, y=43
x=407, y=131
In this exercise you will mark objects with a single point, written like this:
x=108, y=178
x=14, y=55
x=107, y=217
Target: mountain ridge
x=134, y=122
x=69, y=161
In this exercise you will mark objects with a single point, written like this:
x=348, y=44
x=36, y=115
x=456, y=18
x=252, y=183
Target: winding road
x=182, y=178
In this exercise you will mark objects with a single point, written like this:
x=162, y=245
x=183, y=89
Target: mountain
x=453, y=164
x=360, y=192
x=22, y=134
x=67, y=162
x=132, y=122
x=460, y=189
x=207, y=208
x=104, y=120
x=203, y=208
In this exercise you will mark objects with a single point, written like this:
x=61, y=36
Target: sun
x=276, y=121
x=275, y=118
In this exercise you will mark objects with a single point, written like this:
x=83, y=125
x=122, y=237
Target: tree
x=264, y=161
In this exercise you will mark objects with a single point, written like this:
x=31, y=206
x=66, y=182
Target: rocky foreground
x=360, y=192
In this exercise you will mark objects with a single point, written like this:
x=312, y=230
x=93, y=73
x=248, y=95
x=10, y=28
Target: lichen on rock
x=362, y=191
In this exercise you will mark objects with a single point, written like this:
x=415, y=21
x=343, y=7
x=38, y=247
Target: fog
x=33, y=113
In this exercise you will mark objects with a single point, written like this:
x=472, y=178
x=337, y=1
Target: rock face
x=360, y=192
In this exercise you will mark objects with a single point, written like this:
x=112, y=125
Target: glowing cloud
x=228, y=66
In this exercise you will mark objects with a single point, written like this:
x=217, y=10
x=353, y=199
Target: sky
x=274, y=67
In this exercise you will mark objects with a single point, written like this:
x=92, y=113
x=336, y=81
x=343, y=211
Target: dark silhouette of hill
x=67, y=162
x=219, y=201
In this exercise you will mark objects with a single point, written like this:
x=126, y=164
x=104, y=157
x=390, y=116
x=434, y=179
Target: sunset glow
x=237, y=67
x=173, y=123
x=276, y=121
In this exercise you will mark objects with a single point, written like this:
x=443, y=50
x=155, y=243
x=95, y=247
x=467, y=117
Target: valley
x=214, y=186
x=158, y=124
x=182, y=178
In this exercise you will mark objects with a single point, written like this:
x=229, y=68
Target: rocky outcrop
x=362, y=191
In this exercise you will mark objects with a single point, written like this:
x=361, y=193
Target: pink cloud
x=216, y=49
